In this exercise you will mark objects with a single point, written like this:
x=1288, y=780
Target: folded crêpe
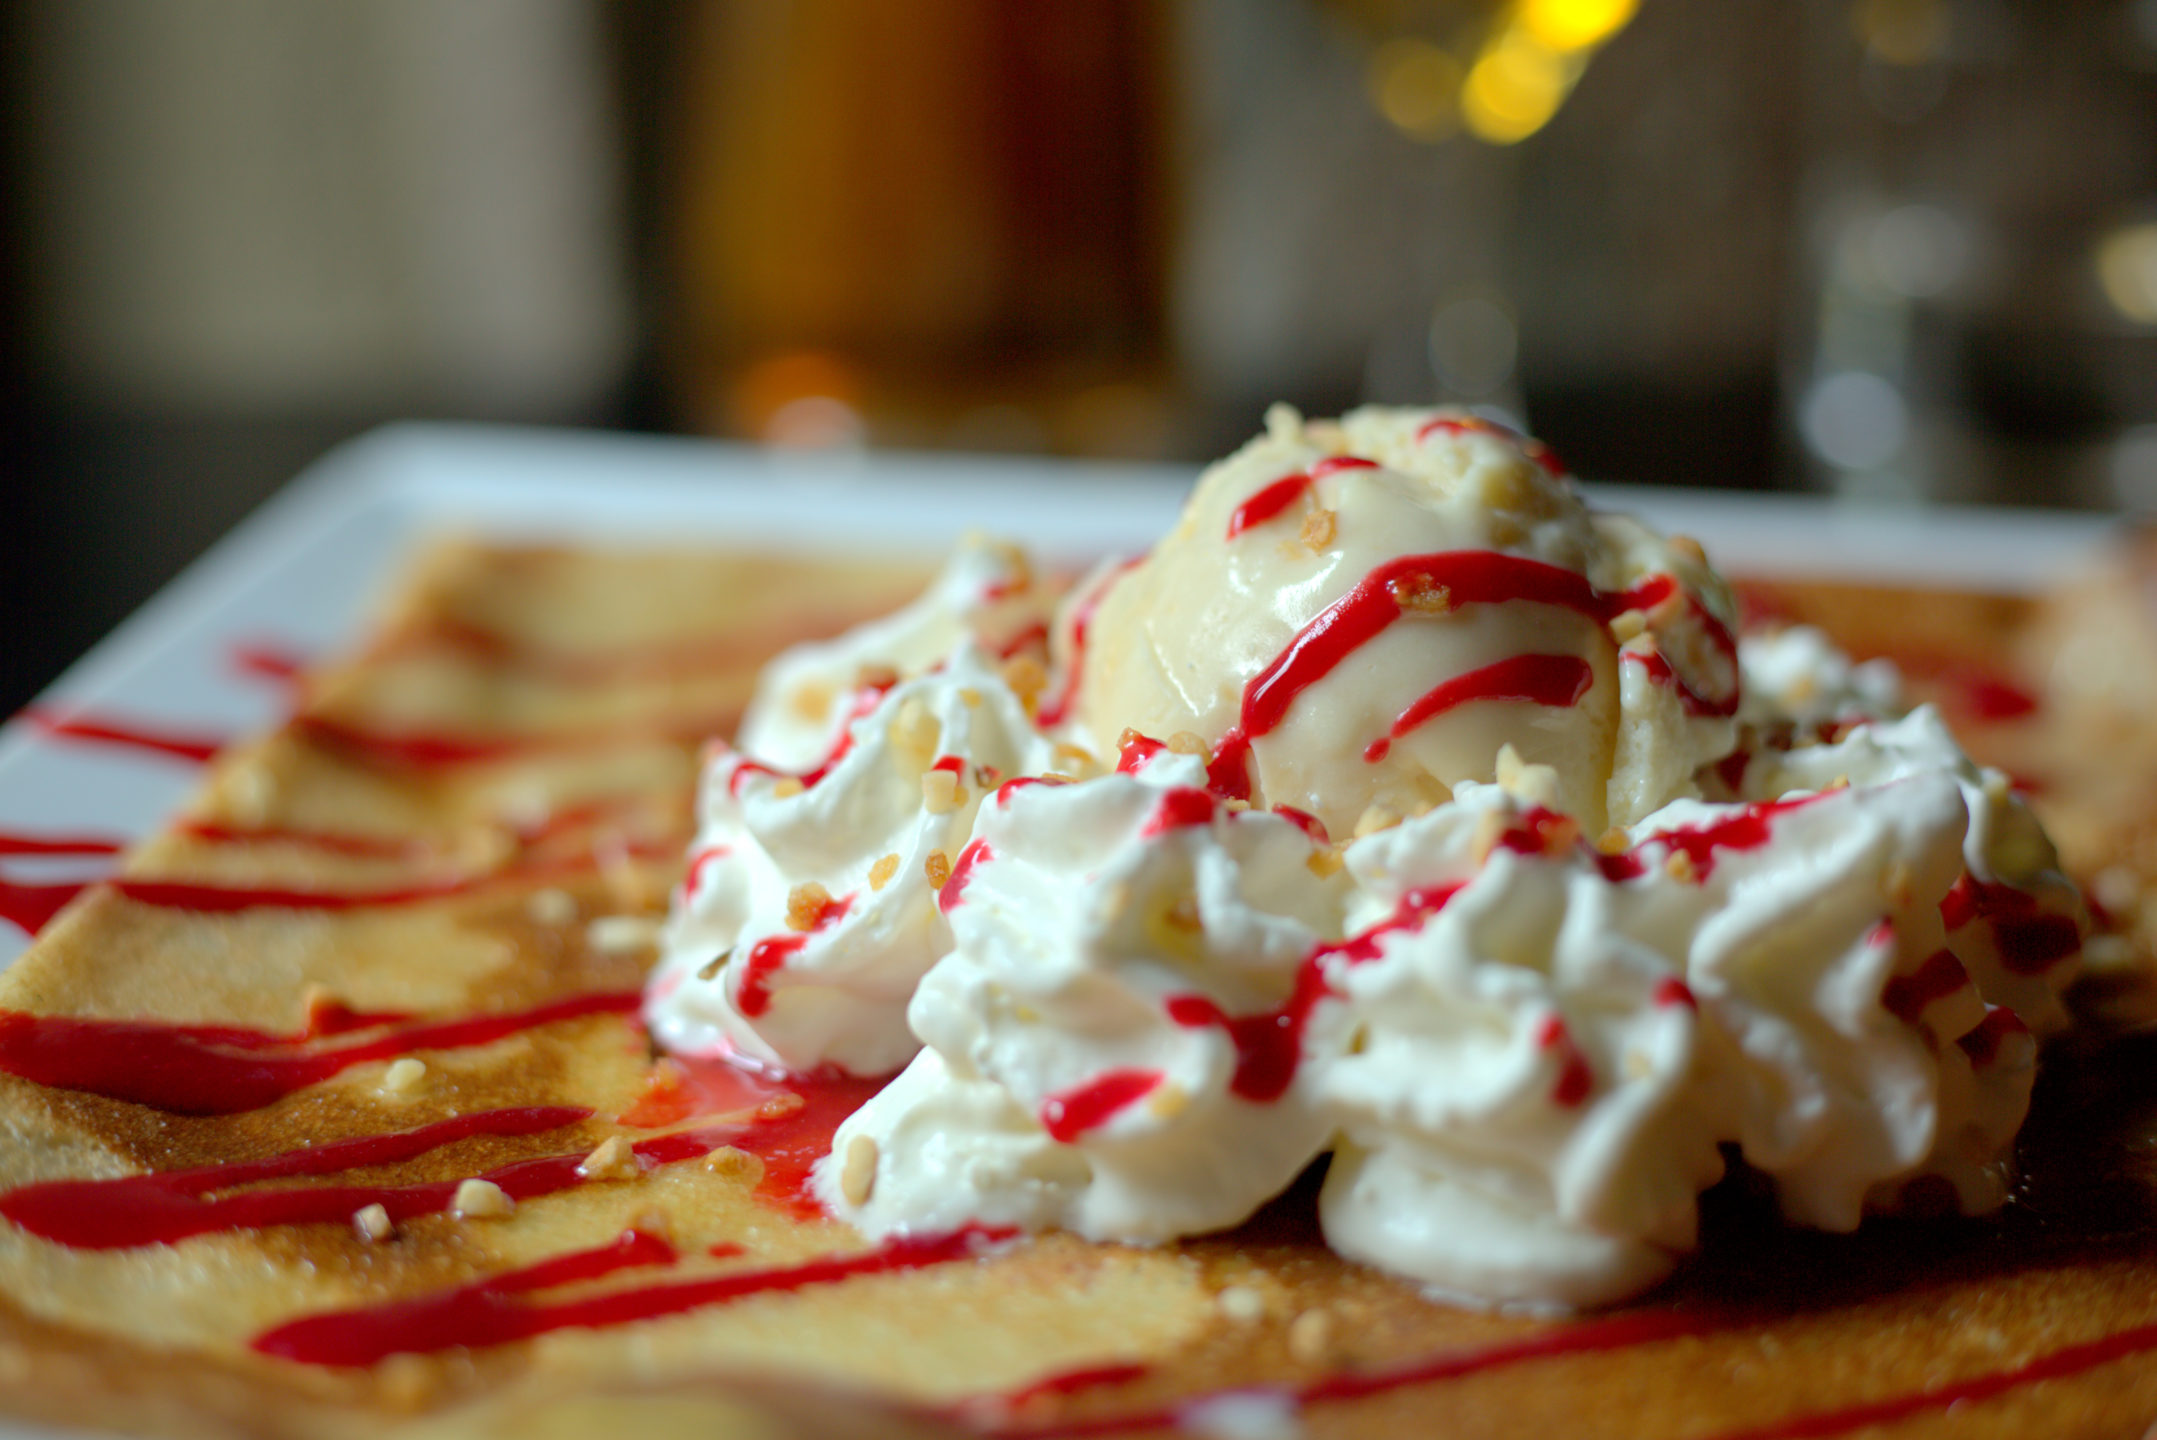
x=334, y=1113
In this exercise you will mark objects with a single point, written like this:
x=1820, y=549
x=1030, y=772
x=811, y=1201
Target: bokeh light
x=1416, y=85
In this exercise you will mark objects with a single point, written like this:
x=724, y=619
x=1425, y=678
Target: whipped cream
x=1525, y=982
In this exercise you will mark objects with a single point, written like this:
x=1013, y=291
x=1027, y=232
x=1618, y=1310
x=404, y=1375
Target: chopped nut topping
x=617, y=934
x=810, y=700
x=875, y=676
x=1310, y=1337
x=551, y=906
x=1375, y=819
x=1421, y=595
x=1688, y=547
x=1679, y=867
x=805, y=906
x=881, y=872
x=941, y=792
x=1185, y=742
x=1128, y=738
x=372, y=1222
x=1241, y=1304
x=938, y=867
x=857, y=1177
x=710, y=969
x=914, y=731
x=612, y=1160
x=736, y=1164
x=787, y=788
x=781, y=1105
x=970, y=697
x=1234, y=806
x=480, y=1200
x=1627, y=624
x=1168, y=1100
x=1613, y=841
x=1319, y=528
x=653, y=1221
x=1027, y=679
x=987, y=777
x=1324, y=861
x=403, y=1076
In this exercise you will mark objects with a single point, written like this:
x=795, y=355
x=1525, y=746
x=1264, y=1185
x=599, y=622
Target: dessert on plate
x=1396, y=950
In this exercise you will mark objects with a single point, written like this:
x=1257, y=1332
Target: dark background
x=1902, y=251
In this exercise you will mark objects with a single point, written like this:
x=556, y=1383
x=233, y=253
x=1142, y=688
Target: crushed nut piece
x=1241, y=1304
x=857, y=1177
x=1324, y=861
x=810, y=701
x=1310, y=1337
x=1375, y=819
x=551, y=906
x=1027, y=679
x=736, y=1164
x=617, y=934
x=914, y=731
x=781, y=1105
x=614, y=1159
x=881, y=872
x=1168, y=1100
x=941, y=792
x=787, y=787
x=1186, y=742
x=372, y=1222
x=1688, y=547
x=805, y=906
x=938, y=867
x=1613, y=841
x=1319, y=528
x=1421, y=595
x=970, y=697
x=655, y=1222
x=710, y=969
x=403, y=1076
x=1627, y=624
x=1679, y=866
x=480, y=1200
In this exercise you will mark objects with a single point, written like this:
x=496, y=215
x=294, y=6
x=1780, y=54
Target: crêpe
x=394, y=947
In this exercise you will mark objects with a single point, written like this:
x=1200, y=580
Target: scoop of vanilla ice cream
x=1357, y=616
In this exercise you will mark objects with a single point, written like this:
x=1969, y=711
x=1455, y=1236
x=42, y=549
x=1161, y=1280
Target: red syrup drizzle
x=1553, y=680
x=103, y=730
x=1467, y=577
x=1179, y=809
x=1582, y=1337
x=226, y=1069
x=1534, y=449
x=428, y=750
x=790, y=1129
x=1055, y=711
x=1269, y=1044
x=1746, y=830
x=865, y=702
x=161, y=1208
x=2029, y=941
x=1575, y=1080
x=962, y=871
x=1907, y=997
x=1089, y=1106
x=30, y=906
x=1284, y=492
x=769, y=956
x=263, y=661
x=491, y=1312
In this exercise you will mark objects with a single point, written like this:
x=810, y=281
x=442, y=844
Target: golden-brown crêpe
x=525, y=724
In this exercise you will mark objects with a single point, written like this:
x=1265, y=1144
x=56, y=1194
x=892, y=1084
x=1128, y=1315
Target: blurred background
x=1901, y=251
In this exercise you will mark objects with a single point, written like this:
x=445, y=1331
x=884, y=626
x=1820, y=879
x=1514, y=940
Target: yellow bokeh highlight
x=2127, y=269
x=1416, y=86
x=1902, y=32
x=1514, y=88
x=1574, y=24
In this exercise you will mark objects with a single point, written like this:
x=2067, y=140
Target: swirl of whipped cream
x=1725, y=902
x=1073, y=1076
x=809, y=909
